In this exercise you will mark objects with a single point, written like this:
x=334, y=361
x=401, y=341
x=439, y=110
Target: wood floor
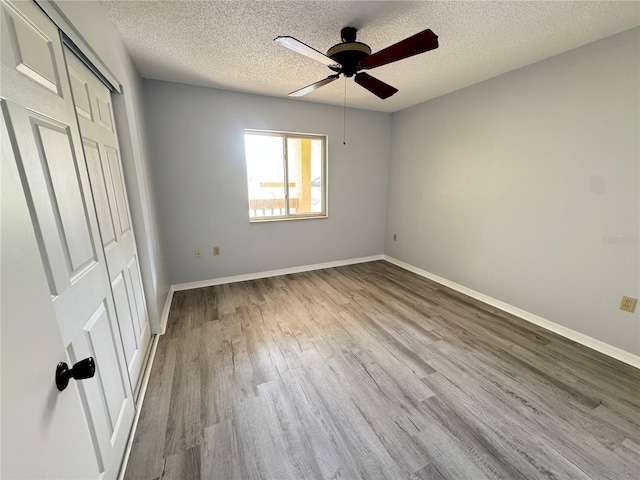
x=369, y=371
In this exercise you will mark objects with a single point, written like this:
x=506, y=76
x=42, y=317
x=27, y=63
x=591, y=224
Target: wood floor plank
x=447, y=455
x=368, y=453
x=275, y=398
x=330, y=451
x=147, y=450
x=183, y=466
x=369, y=371
x=428, y=472
x=219, y=452
x=377, y=407
x=535, y=444
x=184, y=422
x=216, y=373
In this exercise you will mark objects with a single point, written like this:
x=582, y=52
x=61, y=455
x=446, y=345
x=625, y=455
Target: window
x=286, y=175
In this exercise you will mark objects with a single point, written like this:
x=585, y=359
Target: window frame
x=285, y=148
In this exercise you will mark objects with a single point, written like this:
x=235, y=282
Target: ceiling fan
x=350, y=57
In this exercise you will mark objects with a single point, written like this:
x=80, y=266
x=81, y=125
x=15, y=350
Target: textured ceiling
x=229, y=44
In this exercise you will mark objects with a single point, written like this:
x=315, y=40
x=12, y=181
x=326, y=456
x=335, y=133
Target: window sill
x=287, y=219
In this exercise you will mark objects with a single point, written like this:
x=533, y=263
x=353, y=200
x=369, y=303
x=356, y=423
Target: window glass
x=265, y=175
x=305, y=175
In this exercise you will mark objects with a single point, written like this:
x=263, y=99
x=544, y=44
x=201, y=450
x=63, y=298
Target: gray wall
x=197, y=144
x=92, y=24
x=525, y=188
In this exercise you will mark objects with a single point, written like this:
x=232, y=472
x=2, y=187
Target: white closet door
x=95, y=115
x=47, y=149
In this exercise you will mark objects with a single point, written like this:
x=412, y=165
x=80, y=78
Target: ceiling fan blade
x=314, y=86
x=304, y=49
x=375, y=86
x=418, y=43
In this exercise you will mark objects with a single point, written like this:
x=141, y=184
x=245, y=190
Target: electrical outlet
x=216, y=251
x=395, y=237
x=628, y=304
x=198, y=253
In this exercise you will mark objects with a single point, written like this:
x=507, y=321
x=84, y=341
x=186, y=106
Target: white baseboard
x=164, y=319
x=273, y=273
x=598, y=345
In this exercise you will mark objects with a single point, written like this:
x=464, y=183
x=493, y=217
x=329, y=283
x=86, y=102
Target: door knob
x=83, y=369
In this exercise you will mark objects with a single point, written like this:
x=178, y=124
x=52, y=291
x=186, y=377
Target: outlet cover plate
x=628, y=304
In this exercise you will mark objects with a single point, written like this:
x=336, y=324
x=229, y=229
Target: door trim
x=78, y=45
x=67, y=42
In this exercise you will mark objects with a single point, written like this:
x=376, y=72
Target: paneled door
x=94, y=111
x=46, y=151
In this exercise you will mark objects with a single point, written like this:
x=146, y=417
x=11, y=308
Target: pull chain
x=344, y=119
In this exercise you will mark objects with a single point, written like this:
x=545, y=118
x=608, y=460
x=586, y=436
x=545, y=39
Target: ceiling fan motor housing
x=349, y=52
